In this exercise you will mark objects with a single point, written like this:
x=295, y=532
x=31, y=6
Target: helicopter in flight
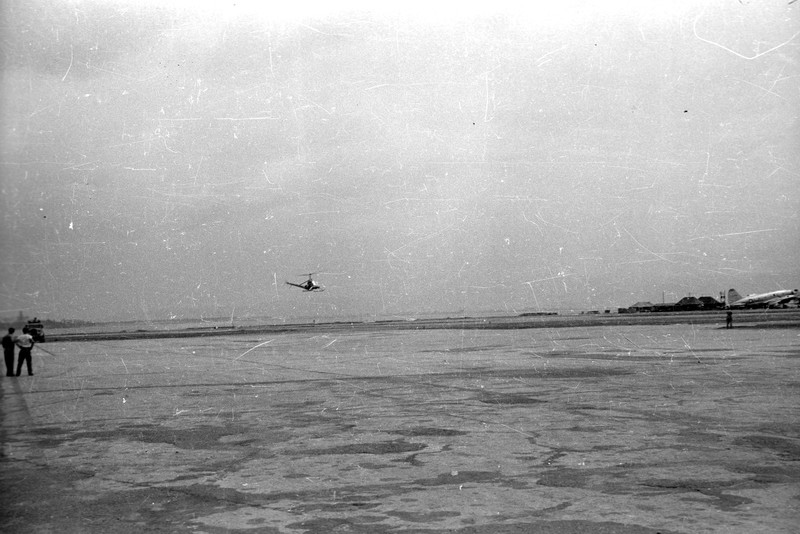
x=309, y=285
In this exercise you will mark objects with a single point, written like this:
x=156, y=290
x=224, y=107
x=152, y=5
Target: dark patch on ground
x=587, y=407
x=48, y=431
x=353, y=525
x=346, y=505
x=784, y=447
x=418, y=517
x=428, y=431
x=49, y=506
x=556, y=508
x=564, y=478
x=55, y=436
x=372, y=465
x=493, y=397
x=159, y=509
x=694, y=351
x=576, y=526
x=382, y=447
x=589, y=429
x=725, y=501
x=314, y=419
x=546, y=373
x=604, y=357
x=708, y=488
x=783, y=429
x=410, y=459
x=692, y=485
x=133, y=426
x=550, y=459
x=461, y=477
x=459, y=350
x=573, y=354
x=198, y=474
x=202, y=437
x=543, y=372
x=768, y=474
x=698, y=436
x=54, y=440
x=299, y=405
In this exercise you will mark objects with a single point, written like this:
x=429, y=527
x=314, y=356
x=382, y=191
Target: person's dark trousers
x=24, y=356
x=9, y=355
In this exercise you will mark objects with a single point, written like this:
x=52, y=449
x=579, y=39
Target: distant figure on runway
x=25, y=344
x=729, y=320
x=8, y=351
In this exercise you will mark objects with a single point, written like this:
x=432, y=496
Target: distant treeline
x=65, y=323
x=48, y=323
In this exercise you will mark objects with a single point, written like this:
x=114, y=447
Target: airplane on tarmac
x=773, y=299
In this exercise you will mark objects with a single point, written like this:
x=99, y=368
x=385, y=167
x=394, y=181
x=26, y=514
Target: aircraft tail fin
x=732, y=297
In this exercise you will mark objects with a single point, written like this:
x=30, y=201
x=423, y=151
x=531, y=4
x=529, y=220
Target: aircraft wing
x=783, y=301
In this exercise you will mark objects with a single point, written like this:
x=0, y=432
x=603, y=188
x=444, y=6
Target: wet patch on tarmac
x=428, y=431
x=342, y=505
x=697, y=436
x=767, y=474
x=459, y=478
x=788, y=353
x=564, y=478
x=422, y=517
x=561, y=373
x=48, y=431
x=151, y=509
x=580, y=407
x=357, y=526
x=201, y=437
x=52, y=436
x=595, y=429
x=353, y=525
x=492, y=397
x=465, y=350
x=382, y=447
x=789, y=430
x=162, y=508
x=303, y=404
x=785, y=448
x=708, y=488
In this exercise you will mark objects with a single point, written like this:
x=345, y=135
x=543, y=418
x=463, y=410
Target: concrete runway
x=624, y=429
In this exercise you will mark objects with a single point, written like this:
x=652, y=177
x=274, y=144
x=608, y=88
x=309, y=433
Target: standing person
x=25, y=344
x=729, y=320
x=8, y=351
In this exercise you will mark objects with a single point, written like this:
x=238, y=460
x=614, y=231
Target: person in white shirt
x=25, y=344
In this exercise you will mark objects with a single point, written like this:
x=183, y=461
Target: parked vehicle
x=36, y=330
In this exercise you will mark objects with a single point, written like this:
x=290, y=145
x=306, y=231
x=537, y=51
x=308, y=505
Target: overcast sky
x=160, y=159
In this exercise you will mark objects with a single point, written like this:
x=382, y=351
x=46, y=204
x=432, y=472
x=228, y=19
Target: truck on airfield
x=36, y=330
